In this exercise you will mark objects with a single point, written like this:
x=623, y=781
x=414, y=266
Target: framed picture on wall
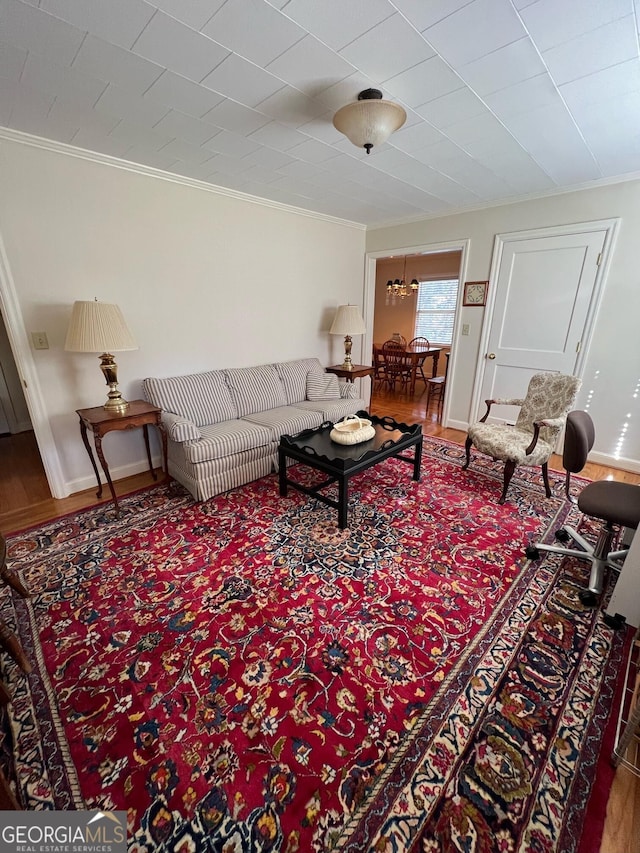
x=475, y=293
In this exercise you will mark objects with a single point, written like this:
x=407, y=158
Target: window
x=436, y=310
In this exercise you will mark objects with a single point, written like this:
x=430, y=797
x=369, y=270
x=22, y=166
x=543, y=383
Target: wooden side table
x=356, y=372
x=101, y=421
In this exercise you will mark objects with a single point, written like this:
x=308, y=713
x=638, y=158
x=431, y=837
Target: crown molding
x=138, y=168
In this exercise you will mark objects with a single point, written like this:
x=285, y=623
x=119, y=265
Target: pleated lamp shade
x=98, y=327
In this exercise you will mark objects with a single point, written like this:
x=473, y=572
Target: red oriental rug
x=242, y=675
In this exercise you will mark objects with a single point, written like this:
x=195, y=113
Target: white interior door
x=545, y=295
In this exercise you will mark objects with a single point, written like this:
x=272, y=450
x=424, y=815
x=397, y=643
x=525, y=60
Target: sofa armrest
x=180, y=428
x=348, y=391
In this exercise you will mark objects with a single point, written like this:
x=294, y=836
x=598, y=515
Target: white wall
x=204, y=280
x=612, y=371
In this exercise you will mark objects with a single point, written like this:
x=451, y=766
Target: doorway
x=546, y=286
x=387, y=316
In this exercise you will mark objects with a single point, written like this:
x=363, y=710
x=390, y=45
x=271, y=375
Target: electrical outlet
x=39, y=340
x=465, y=328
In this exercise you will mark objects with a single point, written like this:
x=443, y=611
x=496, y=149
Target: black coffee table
x=314, y=448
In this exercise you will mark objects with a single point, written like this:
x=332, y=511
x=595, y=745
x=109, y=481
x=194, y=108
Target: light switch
x=39, y=340
x=465, y=328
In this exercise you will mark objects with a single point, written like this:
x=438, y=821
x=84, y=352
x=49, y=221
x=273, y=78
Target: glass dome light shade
x=368, y=123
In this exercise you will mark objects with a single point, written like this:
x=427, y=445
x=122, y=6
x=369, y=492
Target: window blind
x=436, y=310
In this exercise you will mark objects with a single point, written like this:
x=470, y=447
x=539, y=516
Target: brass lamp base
x=115, y=401
x=347, y=364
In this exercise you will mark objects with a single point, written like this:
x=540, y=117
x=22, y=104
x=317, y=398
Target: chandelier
x=370, y=120
x=399, y=287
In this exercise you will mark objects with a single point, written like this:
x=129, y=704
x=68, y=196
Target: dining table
x=416, y=356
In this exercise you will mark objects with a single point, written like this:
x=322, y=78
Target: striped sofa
x=224, y=426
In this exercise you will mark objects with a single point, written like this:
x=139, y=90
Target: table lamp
x=348, y=321
x=100, y=327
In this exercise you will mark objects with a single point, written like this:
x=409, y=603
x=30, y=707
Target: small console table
x=356, y=372
x=101, y=421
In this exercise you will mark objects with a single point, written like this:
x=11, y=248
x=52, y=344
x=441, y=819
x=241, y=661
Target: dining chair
x=436, y=387
x=421, y=343
x=397, y=367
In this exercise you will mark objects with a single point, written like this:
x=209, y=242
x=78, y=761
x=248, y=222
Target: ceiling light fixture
x=399, y=286
x=370, y=120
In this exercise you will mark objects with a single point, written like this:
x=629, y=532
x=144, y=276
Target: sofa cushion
x=294, y=377
x=226, y=439
x=255, y=389
x=322, y=386
x=287, y=419
x=200, y=397
x=332, y=410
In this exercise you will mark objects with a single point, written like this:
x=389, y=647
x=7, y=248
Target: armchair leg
x=467, y=450
x=509, y=468
x=545, y=478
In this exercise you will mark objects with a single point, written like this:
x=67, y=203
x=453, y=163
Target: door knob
x=491, y=355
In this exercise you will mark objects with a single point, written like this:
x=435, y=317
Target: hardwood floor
x=25, y=500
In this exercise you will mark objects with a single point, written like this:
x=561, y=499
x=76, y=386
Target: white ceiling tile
x=484, y=126
x=99, y=58
x=259, y=173
x=80, y=116
x=226, y=142
x=184, y=95
x=181, y=150
x=426, y=13
x=24, y=26
x=335, y=22
x=118, y=21
x=475, y=30
x=549, y=135
x=527, y=95
x=503, y=67
x=195, y=13
x=344, y=91
x=277, y=135
x=269, y=158
x=235, y=117
x=322, y=129
x=291, y=107
x=176, y=46
x=416, y=137
x=310, y=66
x=186, y=127
x=253, y=29
x=12, y=61
x=303, y=170
x=552, y=22
x=593, y=51
x=141, y=137
x=313, y=151
x=242, y=81
x=45, y=76
x=594, y=88
x=456, y=106
x=28, y=105
x=424, y=82
x=388, y=49
x=117, y=102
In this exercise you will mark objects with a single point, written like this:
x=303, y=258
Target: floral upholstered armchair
x=531, y=441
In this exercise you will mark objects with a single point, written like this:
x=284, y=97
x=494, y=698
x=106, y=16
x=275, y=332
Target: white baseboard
x=623, y=464
x=461, y=425
x=119, y=473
